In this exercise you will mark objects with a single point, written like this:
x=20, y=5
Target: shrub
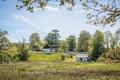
x=101, y=59
x=62, y=57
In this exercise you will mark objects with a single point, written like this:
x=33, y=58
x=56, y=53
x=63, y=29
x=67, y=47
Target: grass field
x=55, y=69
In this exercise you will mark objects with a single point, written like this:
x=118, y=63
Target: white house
x=46, y=48
x=54, y=48
x=82, y=56
x=70, y=50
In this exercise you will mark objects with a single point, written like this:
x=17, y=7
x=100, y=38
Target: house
x=70, y=50
x=82, y=56
x=46, y=48
x=54, y=48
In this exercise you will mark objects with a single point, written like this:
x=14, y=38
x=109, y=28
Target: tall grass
x=59, y=70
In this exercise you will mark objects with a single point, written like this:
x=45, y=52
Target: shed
x=82, y=56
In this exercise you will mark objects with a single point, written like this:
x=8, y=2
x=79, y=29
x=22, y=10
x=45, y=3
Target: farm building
x=54, y=48
x=82, y=56
x=70, y=50
x=46, y=48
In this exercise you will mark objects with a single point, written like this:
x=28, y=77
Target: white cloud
x=49, y=8
x=21, y=17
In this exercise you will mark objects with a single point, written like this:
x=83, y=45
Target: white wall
x=46, y=50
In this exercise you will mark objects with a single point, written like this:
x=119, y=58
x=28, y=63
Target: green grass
x=50, y=67
x=49, y=56
x=59, y=70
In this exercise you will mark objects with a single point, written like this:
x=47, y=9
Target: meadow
x=50, y=67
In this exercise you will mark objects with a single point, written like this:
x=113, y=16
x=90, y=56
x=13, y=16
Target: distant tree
x=4, y=56
x=71, y=41
x=53, y=37
x=117, y=36
x=49, y=39
x=64, y=46
x=83, y=41
x=98, y=44
x=35, y=43
x=56, y=36
x=108, y=39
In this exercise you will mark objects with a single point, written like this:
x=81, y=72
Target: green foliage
x=71, y=41
x=52, y=38
x=63, y=46
x=24, y=52
x=62, y=57
x=35, y=43
x=83, y=41
x=98, y=45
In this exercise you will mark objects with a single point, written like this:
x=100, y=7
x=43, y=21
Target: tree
x=108, y=38
x=117, y=36
x=4, y=56
x=53, y=37
x=83, y=41
x=56, y=36
x=98, y=44
x=64, y=46
x=49, y=39
x=100, y=13
x=24, y=54
x=35, y=43
x=71, y=41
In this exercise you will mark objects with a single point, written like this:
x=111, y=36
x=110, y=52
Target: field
x=51, y=69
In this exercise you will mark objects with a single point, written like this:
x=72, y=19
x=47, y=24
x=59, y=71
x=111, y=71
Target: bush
x=101, y=59
x=62, y=57
x=24, y=55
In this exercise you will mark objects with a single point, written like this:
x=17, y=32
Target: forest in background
x=101, y=46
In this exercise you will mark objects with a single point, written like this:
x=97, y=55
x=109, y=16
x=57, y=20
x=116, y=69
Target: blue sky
x=22, y=23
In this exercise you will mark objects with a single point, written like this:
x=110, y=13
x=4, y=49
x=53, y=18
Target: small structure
x=70, y=50
x=82, y=56
x=46, y=48
x=54, y=48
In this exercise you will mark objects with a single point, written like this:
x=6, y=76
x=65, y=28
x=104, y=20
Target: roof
x=82, y=52
x=46, y=46
x=81, y=55
x=54, y=46
x=70, y=49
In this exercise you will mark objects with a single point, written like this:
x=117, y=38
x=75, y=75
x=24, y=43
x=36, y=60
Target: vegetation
x=57, y=70
x=35, y=43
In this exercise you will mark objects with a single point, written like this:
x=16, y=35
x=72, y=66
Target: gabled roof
x=81, y=55
x=46, y=46
x=70, y=49
x=82, y=52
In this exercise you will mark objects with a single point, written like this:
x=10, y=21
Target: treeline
x=100, y=46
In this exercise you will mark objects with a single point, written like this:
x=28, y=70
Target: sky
x=22, y=23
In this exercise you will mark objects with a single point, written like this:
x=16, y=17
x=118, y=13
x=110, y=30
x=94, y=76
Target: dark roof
x=55, y=46
x=46, y=46
x=82, y=52
x=70, y=49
